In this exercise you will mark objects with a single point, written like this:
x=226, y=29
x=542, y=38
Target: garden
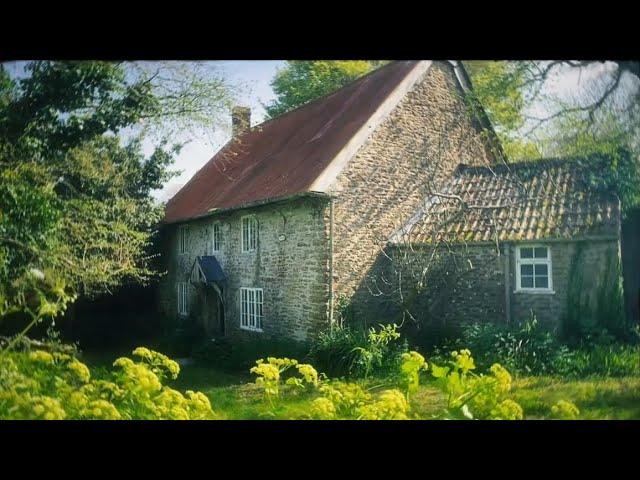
x=512, y=373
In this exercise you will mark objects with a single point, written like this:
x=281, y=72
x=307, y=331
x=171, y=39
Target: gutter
x=257, y=203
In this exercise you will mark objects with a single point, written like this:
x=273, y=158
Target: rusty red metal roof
x=284, y=156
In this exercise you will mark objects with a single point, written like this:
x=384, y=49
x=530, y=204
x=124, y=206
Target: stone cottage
x=506, y=242
x=297, y=215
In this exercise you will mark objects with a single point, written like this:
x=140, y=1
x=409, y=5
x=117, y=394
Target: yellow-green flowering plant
x=475, y=396
x=56, y=386
x=269, y=372
x=564, y=410
x=412, y=364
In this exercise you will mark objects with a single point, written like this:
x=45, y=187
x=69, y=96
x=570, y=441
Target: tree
x=300, y=82
x=76, y=211
x=534, y=117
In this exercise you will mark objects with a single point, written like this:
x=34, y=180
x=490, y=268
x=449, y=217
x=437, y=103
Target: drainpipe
x=507, y=284
x=331, y=262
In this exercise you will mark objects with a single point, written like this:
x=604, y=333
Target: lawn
x=234, y=396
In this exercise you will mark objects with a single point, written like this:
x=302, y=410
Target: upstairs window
x=533, y=265
x=251, y=309
x=249, y=234
x=183, y=298
x=216, y=237
x=182, y=239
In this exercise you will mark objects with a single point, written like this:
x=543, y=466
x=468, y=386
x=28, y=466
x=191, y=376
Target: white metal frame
x=183, y=239
x=534, y=261
x=183, y=299
x=216, y=243
x=250, y=244
x=251, y=309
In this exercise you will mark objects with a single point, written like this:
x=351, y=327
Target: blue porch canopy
x=210, y=270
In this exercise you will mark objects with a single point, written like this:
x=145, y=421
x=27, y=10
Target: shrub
x=605, y=360
x=531, y=350
x=43, y=385
x=347, y=352
x=334, y=350
x=239, y=356
x=525, y=349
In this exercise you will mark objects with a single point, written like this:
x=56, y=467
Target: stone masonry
x=290, y=264
x=410, y=155
x=469, y=283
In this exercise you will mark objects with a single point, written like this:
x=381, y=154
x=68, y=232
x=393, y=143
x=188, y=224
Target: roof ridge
x=327, y=95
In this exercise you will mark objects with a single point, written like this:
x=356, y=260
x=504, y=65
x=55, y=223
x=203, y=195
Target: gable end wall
x=410, y=154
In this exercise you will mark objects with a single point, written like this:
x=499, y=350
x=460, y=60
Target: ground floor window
x=183, y=298
x=533, y=265
x=251, y=309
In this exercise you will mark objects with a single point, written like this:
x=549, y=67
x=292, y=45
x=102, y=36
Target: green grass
x=234, y=396
x=598, y=398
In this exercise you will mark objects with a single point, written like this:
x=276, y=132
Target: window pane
x=244, y=241
x=541, y=270
x=259, y=325
x=254, y=233
x=526, y=253
x=541, y=252
x=246, y=308
x=252, y=311
x=243, y=307
x=526, y=269
x=526, y=282
x=542, y=282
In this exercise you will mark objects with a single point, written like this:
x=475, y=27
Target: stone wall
x=290, y=264
x=467, y=283
x=409, y=155
x=591, y=270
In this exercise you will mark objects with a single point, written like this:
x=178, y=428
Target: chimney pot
x=240, y=120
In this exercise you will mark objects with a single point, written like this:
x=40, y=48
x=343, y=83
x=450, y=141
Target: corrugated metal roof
x=532, y=200
x=285, y=155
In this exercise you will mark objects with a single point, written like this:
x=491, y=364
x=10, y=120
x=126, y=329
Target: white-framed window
x=249, y=233
x=183, y=231
x=183, y=298
x=216, y=237
x=533, y=269
x=251, y=309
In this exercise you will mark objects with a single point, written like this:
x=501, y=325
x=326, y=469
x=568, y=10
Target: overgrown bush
x=345, y=351
x=614, y=360
x=526, y=349
x=55, y=386
x=531, y=350
x=240, y=355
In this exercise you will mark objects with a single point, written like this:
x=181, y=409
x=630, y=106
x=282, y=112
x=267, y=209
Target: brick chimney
x=240, y=120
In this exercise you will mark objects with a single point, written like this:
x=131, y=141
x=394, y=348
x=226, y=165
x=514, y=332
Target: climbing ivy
x=608, y=312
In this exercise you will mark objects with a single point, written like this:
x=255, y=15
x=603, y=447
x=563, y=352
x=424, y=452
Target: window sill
x=249, y=329
x=535, y=291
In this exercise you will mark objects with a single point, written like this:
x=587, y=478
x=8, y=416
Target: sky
x=254, y=76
